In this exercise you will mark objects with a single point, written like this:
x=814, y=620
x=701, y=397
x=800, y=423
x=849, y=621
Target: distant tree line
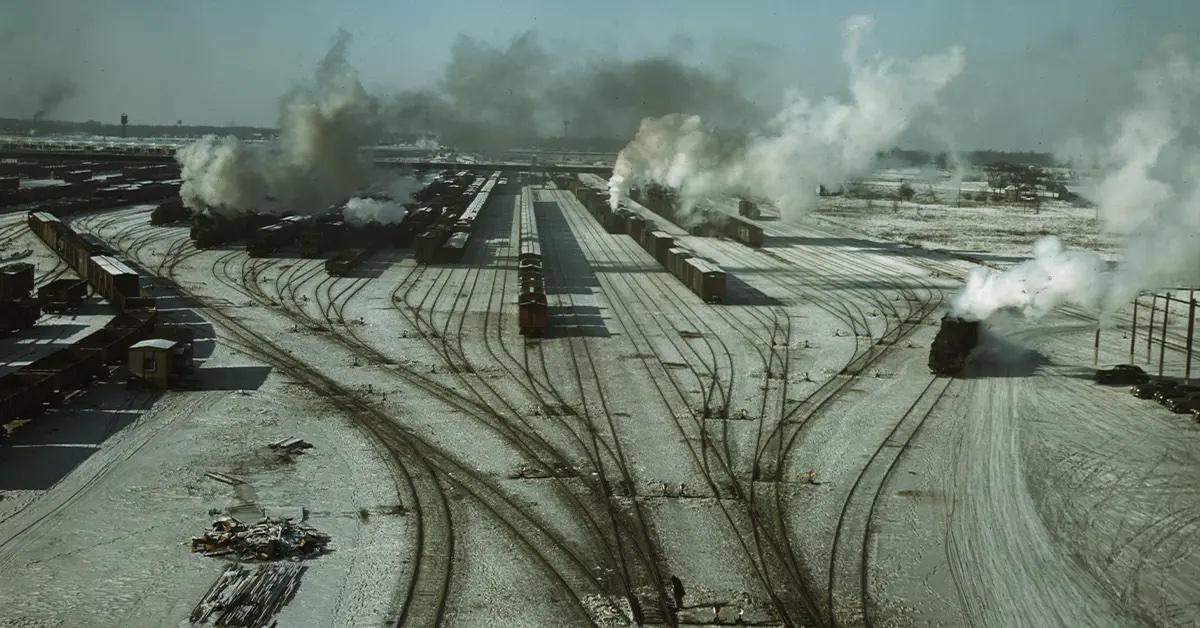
x=981, y=158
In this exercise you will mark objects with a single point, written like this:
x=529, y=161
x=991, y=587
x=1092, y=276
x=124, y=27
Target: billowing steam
x=807, y=144
x=1151, y=194
x=361, y=211
x=502, y=96
x=1054, y=275
x=54, y=94
x=315, y=162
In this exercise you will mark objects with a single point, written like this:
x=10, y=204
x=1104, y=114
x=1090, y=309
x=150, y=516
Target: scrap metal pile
x=269, y=539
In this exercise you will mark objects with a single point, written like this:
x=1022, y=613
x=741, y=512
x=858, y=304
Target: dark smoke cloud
x=492, y=96
x=53, y=94
x=43, y=47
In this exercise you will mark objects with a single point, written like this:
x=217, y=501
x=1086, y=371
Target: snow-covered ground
x=786, y=455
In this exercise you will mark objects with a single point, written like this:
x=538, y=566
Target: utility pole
x=1187, y=369
x=1150, y=330
x=1162, y=344
x=1133, y=331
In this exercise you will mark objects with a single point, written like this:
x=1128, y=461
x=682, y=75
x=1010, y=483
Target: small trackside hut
x=159, y=362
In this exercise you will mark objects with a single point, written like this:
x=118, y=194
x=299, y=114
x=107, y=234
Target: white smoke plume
x=1151, y=195
x=315, y=161
x=807, y=144
x=1054, y=275
x=360, y=211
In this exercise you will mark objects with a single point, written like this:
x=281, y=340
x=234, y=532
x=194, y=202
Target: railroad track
x=538, y=539
x=783, y=597
x=868, y=487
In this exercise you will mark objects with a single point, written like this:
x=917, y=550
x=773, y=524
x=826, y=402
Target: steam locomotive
x=953, y=345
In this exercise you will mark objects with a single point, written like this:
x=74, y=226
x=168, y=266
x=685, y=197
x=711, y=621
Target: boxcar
x=708, y=282
x=745, y=232
x=657, y=244
x=112, y=278
x=675, y=258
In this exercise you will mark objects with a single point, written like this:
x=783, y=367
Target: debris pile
x=269, y=539
x=248, y=597
x=288, y=447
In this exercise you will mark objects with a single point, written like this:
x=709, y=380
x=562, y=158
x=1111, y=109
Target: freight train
x=705, y=279
x=703, y=220
x=92, y=260
x=533, y=315
x=44, y=383
x=448, y=238
x=953, y=345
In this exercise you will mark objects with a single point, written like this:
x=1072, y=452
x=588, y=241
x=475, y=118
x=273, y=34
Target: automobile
x=1186, y=403
x=1174, y=390
x=1121, y=374
x=1149, y=388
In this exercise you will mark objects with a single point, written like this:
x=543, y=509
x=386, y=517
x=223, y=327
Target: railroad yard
x=554, y=406
x=599, y=315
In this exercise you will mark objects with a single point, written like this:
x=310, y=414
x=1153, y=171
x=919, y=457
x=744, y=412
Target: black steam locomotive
x=953, y=345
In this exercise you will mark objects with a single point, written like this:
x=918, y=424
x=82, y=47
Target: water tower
x=124, y=123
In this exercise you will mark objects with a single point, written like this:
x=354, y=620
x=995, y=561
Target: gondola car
x=61, y=295
x=952, y=347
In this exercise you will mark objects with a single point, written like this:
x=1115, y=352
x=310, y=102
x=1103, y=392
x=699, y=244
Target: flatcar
x=953, y=345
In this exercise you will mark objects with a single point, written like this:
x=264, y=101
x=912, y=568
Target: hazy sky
x=1037, y=71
